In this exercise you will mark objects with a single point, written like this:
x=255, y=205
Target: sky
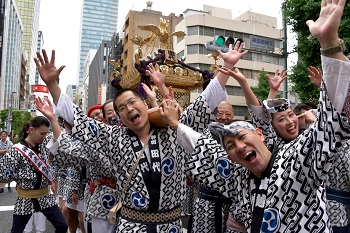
x=60, y=23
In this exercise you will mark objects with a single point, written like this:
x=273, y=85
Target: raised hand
x=325, y=29
x=233, y=55
x=171, y=93
x=169, y=112
x=151, y=95
x=47, y=69
x=155, y=73
x=315, y=75
x=45, y=107
x=309, y=117
x=276, y=81
x=158, y=79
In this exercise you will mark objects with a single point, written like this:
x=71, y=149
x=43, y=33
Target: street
x=7, y=202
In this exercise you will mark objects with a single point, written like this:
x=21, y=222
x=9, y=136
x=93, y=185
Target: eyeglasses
x=131, y=103
x=96, y=114
x=227, y=114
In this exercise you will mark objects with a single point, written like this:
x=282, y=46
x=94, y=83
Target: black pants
x=53, y=214
x=342, y=229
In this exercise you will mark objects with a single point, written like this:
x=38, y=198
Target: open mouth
x=250, y=156
x=291, y=129
x=134, y=118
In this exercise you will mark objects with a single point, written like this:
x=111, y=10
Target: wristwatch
x=336, y=49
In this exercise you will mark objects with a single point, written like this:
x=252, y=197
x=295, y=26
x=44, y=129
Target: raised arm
x=230, y=60
x=46, y=108
x=315, y=75
x=158, y=77
x=275, y=82
x=247, y=91
x=335, y=64
x=49, y=73
x=325, y=28
x=151, y=95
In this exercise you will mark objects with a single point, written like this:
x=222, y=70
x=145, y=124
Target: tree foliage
x=296, y=13
x=19, y=117
x=3, y=118
x=263, y=88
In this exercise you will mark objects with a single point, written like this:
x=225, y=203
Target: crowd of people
x=113, y=170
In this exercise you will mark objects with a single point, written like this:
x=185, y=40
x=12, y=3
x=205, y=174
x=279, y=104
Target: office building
x=71, y=91
x=30, y=12
x=23, y=84
x=98, y=75
x=98, y=23
x=114, y=58
x=261, y=36
x=40, y=44
x=130, y=29
x=11, y=55
x=84, y=89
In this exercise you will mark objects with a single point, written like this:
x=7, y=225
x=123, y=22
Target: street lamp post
x=9, y=117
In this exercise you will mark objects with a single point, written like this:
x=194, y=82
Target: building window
x=247, y=73
x=248, y=57
x=209, y=31
x=201, y=30
x=240, y=110
x=180, y=39
x=192, y=49
x=232, y=90
x=239, y=35
x=219, y=31
x=228, y=33
x=192, y=31
x=181, y=54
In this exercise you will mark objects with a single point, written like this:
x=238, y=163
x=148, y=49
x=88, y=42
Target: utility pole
x=9, y=116
x=285, y=51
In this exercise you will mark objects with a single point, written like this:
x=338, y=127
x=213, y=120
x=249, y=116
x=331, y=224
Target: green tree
x=296, y=13
x=19, y=117
x=263, y=88
x=3, y=118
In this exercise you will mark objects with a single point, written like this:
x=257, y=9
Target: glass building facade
x=98, y=22
x=29, y=11
x=12, y=63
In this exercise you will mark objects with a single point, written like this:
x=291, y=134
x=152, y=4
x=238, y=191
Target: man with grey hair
x=225, y=114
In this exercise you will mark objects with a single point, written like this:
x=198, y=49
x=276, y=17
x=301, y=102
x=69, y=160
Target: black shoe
x=10, y=190
x=1, y=190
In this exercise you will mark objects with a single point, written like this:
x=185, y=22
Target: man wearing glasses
x=225, y=113
x=151, y=202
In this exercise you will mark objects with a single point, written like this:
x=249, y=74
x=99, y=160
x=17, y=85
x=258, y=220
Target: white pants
x=78, y=207
x=39, y=220
x=85, y=222
x=100, y=225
